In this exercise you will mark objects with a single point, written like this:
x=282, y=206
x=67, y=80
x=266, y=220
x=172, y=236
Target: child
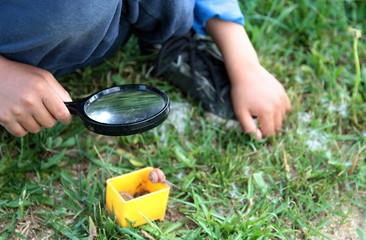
x=44, y=37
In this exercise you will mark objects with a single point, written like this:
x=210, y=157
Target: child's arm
x=254, y=91
x=30, y=98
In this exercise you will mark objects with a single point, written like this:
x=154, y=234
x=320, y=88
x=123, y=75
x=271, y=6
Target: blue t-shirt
x=228, y=10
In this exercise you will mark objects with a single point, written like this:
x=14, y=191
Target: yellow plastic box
x=151, y=206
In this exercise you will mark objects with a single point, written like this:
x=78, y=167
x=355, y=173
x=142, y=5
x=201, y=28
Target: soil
x=345, y=230
x=141, y=193
x=128, y=196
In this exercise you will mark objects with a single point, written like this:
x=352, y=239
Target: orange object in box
x=151, y=206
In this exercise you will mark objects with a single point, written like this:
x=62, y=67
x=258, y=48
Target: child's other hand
x=254, y=91
x=30, y=98
x=257, y=93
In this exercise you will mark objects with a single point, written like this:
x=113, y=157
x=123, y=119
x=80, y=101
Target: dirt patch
x=172, y=214
x=339, y=229
x=30, y=227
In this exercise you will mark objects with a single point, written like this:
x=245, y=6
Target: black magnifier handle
x=73, y=107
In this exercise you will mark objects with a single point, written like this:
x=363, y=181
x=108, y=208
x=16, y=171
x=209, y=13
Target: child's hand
x=30, y=98
x=254, y=91
x=259, y=95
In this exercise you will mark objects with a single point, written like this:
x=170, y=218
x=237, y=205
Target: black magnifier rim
x=128, y=128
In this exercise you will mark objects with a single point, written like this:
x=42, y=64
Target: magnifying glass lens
x=124, y=107
x=122, y=110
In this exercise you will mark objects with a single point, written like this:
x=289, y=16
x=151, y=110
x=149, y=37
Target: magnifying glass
x=122, y=110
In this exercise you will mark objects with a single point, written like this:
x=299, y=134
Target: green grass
x=292, y=186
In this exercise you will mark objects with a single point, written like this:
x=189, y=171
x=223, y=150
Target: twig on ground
x=355, y=160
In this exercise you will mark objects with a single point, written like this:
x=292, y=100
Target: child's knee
x=78, y=19
x=156, y=21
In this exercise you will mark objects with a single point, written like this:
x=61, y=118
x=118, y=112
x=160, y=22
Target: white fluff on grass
x=316, y=140
x=178, y=117
x=304, y=117
x=340, y=107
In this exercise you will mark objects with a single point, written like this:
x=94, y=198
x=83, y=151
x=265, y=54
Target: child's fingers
x=267, y=124
x=287, y=104
x=44, y=117
x=56, y=107
x=55, y=102
x=249, y=125
x=278, y=121
x=57, y=87
x=15, y=128
x=30, y=124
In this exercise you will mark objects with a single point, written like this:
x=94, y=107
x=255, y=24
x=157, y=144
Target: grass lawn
x=309, y=182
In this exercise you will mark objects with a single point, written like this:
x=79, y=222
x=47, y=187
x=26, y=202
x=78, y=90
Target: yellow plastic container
x=151, y=206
